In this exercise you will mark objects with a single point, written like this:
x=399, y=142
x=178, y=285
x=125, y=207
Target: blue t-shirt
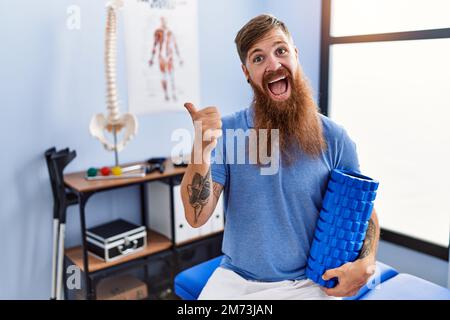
x=270, y=219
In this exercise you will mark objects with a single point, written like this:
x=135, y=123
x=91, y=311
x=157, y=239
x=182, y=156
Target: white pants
x=225, y=284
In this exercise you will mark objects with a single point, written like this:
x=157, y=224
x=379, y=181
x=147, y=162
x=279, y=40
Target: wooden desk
x=84, y=189
x=77, y=182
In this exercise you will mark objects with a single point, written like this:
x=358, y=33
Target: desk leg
x=144, y=209
x=172, y=212
x=173, y=233
x=82, y=199
x=144, y=203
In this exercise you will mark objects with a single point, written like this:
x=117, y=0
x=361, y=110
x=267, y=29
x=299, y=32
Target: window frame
x=327, y=40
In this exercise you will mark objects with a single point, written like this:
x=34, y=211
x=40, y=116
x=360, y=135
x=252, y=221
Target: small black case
x=116, y=239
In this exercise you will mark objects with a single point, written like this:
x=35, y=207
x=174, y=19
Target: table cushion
x=383, y=271
x=190, y=282
x=407, y=287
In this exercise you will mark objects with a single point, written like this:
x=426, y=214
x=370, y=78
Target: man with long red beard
x=270, y=219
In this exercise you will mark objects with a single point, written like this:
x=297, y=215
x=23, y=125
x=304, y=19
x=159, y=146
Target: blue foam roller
x=336, y=253
x=350, y=236
x=320, y=235
x=348, y=181
x=353, y=204
x=334, y=243
x=359, y=195
x=332, y=233
x=328, y=201
x=317, y=267
x=328, y=217
x=320, y=259
x=312, y=275
x=334, y=186
x=318, y=248
x=346, y=213
x=348, y=225
x=327, y=284
x=358, y=246
x=349, y=246
x=374, y=186
x=342, y=245
x=367, y=212
x=338, y=176
x=323, y=225
x=356, y=215
x=343, y=191
x=357, y=184
x=344, y=255
x=366, y=185
x=345, y=202
x=331, y=263
x=328, y=261
x=314, y=251
x=363, y=226
x=353, y=256
x=356, y=226
x=352, y=193
x=341, y=234
x=359, y=236
x=361, y=206
x=343, y=221
x=338, y=211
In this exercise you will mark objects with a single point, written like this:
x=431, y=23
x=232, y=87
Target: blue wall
x=51, y=83
x=303, y=18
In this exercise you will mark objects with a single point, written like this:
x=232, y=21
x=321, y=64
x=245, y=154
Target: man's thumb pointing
x=190, y=108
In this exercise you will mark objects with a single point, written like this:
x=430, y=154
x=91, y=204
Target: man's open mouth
x=278, y=87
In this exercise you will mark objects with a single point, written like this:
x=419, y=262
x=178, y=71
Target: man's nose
x=272, y=64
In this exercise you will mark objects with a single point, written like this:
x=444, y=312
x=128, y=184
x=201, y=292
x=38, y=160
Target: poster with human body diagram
x=161, y=45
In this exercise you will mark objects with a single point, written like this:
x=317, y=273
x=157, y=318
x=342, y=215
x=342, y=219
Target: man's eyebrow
x=273, y=45
x=279, y=42
x=253, y=51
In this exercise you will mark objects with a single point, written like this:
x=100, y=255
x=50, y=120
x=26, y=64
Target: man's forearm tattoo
x=199, y=191
x=368, y=242
x=217, y=188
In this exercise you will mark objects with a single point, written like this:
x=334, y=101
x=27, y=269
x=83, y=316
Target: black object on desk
x=155, y=164
x=113, y=240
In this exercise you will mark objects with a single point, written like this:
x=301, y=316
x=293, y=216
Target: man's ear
x=244, y=69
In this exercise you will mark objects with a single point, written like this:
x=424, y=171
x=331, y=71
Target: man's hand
x=351, y=277
x=208, y=128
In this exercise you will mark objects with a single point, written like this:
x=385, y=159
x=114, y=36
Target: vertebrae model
x=114, y=121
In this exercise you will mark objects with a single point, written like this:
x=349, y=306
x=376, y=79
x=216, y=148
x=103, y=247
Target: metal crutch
x=51, y=172
x=60, y=161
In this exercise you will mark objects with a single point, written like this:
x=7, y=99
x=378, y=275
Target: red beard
x=296, y=118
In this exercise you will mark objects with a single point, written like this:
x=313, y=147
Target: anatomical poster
x=161, y=45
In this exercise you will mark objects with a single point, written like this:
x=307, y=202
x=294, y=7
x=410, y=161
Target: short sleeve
x=219, y=169
x=347, y=157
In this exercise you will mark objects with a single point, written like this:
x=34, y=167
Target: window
x=353, y=17
x=389, y=86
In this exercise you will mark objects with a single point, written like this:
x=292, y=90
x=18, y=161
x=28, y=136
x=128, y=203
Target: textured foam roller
x=342, y=224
